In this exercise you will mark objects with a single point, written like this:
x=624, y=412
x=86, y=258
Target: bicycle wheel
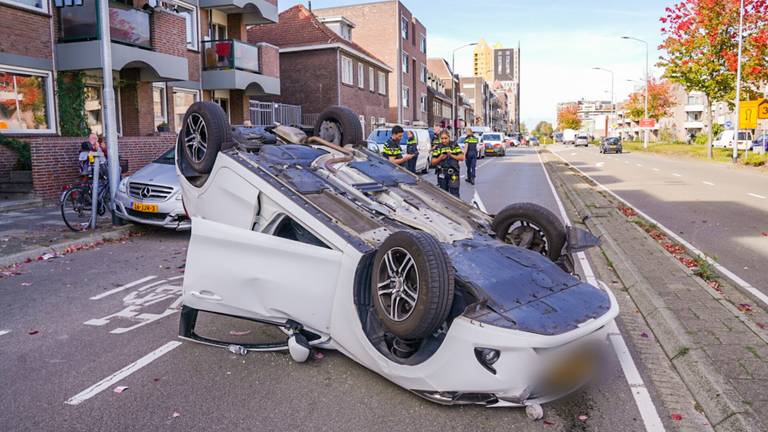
x=76, y=208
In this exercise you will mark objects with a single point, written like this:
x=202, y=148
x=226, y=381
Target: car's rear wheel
x=532, y=227
x=204, y=132
x=412, y=284
x=339, y=125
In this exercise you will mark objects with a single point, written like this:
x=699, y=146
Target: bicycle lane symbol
x=144, y=306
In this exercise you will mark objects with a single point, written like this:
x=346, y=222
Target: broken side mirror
x=578, y=240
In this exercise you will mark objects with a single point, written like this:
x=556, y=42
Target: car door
x=243, y=273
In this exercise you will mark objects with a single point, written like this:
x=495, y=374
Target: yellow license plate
x=146, y=208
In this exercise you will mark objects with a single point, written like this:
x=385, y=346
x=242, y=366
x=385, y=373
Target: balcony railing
x=126, y=25
x=230, y=54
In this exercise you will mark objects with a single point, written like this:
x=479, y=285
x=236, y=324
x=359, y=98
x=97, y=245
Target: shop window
x=26, y=102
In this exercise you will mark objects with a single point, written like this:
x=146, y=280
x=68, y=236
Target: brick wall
x=136, y=106
x=54, y=159
x=169, y=34
x=309, y=79
x=29, y=35
x=7, y=161
x=361, y=100
x=194, y=62
x=269, y=60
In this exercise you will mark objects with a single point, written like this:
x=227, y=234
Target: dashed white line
x=639, y=165
x=656, y=169
x=119, y=375
x=4, y=332
x=640, y=392
x=677, y=175
x=756, y=195
x=122, y=287
x=708, y=183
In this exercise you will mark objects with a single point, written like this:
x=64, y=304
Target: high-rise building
x=506, y=77
x=482, y=61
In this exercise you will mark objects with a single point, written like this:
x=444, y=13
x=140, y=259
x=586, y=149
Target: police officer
x=445, y=159
x=470, y=153
x=412, y=148
x=392, y=150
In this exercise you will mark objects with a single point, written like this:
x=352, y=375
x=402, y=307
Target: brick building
x=321, y=66
x=440, y=104
x=478, y=94
x=389, y=31
x=164, y=59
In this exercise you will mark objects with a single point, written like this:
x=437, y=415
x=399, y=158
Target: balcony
x=131, y=31
x=233, y=64
x=693, y=125
x=694, y=108
x=254, y=12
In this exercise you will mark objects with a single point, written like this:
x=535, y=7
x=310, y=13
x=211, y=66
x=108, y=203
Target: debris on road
x=583, y=417
x=46, y=256
x=239, y=333
x=676, y=417
x=237, y=349
x=120, y=389
x=176, y=414
x=318, y=355
x=644, y=334
x=744, y=307
x=627, y=211
x=548, y=423
x=673, y=248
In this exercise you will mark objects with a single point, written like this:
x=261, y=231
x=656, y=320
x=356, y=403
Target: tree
x=543, y=130
x=523, y=128
x=568, y=117
x=701, y=48
x=660, y=101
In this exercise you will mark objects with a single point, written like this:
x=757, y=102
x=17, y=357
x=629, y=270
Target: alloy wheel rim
x=398, y=289
x=331, y=132
x=528, y=235
x=196, y=137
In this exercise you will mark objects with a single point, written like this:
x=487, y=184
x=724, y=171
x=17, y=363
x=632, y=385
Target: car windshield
x=581, y=136
x=167, y=158
x=491, y=137
x=612, y=141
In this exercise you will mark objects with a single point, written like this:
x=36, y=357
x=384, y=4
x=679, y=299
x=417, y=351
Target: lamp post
x=613, y=104
x=738, y=85
x=645, y=141
x=455, y=84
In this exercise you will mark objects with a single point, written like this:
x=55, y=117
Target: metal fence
x=269, y=113
x=309, y=119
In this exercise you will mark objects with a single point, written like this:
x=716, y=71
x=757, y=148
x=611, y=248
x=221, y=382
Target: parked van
x=380, y=136
x=569, y=136
x=726, y=139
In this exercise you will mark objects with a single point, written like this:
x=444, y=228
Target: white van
x=726, y=139
x=569, y=136
x=380, y=136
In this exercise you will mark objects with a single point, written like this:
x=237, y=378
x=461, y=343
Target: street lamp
x=613, y=105
x=738, y=84
x=645, y=143
x=455, y=84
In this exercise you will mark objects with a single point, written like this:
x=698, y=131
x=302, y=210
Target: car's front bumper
x=494, y=151
x=170, y=213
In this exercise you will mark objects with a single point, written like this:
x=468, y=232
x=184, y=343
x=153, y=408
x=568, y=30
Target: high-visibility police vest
x=392, y=149
x=412, y=145
x=471, y=143
x=449, y=162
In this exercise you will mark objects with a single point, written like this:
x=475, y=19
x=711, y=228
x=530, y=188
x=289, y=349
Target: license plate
x=146, y=208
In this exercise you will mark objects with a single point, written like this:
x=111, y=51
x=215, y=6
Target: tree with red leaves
x=701, y=44
x=568, y=117
x=660, y=101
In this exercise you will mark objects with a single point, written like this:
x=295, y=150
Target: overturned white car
x=344, y=250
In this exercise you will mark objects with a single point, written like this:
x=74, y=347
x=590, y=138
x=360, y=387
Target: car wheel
x=532, y=227
x=339, y=125
x=204, y=132
x=412, y=284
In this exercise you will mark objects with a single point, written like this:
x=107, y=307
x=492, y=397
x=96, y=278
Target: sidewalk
x=714, y=338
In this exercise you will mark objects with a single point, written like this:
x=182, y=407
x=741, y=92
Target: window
x=346, y=71
x=362, y=122
x=405, y=63
x=182, y=100
x=423, y=74
x=373, y=122
x=189, y=13
x=371, y=79
x=160, y=103
x=423, y=102
x=404, y=27
x=423, y=43
x=361, y=75
x=382, y=83
x=94, y=108
x=26, y=101
x=38, y=5
x=289, y=229
x=406, y=96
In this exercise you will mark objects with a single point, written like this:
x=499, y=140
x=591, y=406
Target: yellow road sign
x=748, y=114
x=762, y=110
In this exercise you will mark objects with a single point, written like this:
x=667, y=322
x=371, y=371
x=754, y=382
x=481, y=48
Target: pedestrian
x=101, y=145
x=470, y=155
x=412, y=148
x=445, y=159
x=392, y=150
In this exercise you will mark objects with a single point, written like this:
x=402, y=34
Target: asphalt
x=719, y=208
x=49, y=355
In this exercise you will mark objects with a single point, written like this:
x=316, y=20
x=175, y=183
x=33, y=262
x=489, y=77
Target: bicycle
x=76, y=201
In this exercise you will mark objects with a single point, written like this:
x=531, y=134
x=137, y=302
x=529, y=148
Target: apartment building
x=478, y=95
x=440, y=104
x=506, y=79
x=389, y=31
x=321, y=66
x=482, y=60
x=165, y=56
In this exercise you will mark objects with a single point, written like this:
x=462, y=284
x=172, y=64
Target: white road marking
x=600, y=164
x=626, y=162
x=123, y=287
x=656, y=169
x=756, y=195
x=4, y=332
x=677, y=175
x=746, y=286
x=139, y=299
x=119, y=375
x=640, y=392
x=708, y=183
x=639, y=165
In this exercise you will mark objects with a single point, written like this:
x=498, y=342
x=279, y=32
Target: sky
x=561, y=42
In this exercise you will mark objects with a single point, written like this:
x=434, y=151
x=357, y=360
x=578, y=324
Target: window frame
x=195, y=24
x=164, y=102
x=404, y=27
x=194, y=92
x=423, y=102
x=406, y=60
x=382, y=83
x=423, y=73
x=44, y=9
x=50, y=110
x=361, y=75
x=423, y=43
x=405, y=96
x=371, y=79
x=343, y=61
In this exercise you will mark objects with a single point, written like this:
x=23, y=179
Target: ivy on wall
x=21, y=149
x=71, y=91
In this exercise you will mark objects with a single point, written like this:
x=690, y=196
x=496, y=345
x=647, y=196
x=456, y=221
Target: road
x=110, y=316
x=720, y=209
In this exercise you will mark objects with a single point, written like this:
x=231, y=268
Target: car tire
x=532, y=227
x=205, y=131
x=408, y=259
x=339, y=125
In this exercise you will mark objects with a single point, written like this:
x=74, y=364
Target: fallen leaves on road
x=239, y=333
x=674, y=249
x=744, y=308
x=676, y=417
x=688, y=262
x=764, y=233
x=657, y=235
x=120, y=389
x=627, y=211
x=644, y=334
x=762, y=325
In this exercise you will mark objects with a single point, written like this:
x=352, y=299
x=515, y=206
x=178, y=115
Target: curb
x=20, y=205
x=721, y=403
x=21, y=257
